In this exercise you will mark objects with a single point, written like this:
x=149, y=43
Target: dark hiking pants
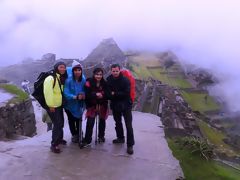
x=89, y=129
x=49, y=126
x=73, y=123
x=58, y=123
x=127, y=115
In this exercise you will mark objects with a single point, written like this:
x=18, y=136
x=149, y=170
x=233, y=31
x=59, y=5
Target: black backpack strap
x=54, y=79
x=59, y=83
x=64, y=101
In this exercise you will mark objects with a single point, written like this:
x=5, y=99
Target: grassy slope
x=194, y=167
x=197, y=101
x=20, y=95
x=216, y=137
x=142, y=72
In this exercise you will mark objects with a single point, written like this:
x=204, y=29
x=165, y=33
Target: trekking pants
x=73, y=123
x=89, y=129
x=127, y=114
x=58, y=123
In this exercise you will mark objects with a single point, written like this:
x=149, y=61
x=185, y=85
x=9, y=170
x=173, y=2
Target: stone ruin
x=16, y=117
x=176, y=114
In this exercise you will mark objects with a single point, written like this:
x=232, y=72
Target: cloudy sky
x=205, y=33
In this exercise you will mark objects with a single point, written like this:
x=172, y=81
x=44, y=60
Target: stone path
x=31, y=158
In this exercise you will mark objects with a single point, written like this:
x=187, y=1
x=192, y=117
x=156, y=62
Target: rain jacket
x=121, y=100
x=52, y=95
x=71, y=89
x=91, y=99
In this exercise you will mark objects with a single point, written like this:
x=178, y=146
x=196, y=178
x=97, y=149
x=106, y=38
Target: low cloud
x=205, y=33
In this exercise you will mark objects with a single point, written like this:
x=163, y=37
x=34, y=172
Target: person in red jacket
x=96, y=104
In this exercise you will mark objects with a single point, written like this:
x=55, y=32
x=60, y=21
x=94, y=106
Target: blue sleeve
x=67, y=91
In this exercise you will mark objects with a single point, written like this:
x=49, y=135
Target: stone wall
x=17, y=119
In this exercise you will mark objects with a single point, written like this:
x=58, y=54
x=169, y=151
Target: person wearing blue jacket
x=75, y=96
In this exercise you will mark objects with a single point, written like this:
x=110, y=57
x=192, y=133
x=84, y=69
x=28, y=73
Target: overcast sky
x=205, y=33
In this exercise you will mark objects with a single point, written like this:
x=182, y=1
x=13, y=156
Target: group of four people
x=73, y=93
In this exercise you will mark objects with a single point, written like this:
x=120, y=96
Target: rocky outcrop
x=107, y=51
x=49, y=57
x=30, y=70
x=3, y=81
x=105, y=54
x=17, y=119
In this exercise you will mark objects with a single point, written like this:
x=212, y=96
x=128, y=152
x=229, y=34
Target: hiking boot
x=63, y=142
x=84, y=145
x=75, y=139
x=55, y=149
x=101, y=140
x=118, y=141
x=130, y=150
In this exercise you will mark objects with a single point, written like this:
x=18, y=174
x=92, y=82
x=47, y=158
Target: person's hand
x=52, y=109
x=81, y=96
x=99, y=95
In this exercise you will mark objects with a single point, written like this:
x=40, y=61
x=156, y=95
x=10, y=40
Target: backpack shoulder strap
x=54, y=80
x=59, y=83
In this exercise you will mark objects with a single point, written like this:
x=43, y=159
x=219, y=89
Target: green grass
x=215, y=137
x=196, y=168
x=12, y=89
x=197, y=101
x=156, y=73
x=141, y=72
x=145, y=60
x=179, y=82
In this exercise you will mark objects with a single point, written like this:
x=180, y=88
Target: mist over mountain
x=204, y=33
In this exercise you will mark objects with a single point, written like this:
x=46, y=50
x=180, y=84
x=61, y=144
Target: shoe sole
x=130, y=153
x=54, y=151
x=85, y=146
x=118, y=142
x=101, y=141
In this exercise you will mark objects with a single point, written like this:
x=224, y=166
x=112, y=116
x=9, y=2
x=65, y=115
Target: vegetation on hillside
x=152, y=68
x=193, y=165
x=198, y=101
x=216, y=138
x=196, y=168
x=12, y=89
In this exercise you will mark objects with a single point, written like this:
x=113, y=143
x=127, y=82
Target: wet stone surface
x=152, y=159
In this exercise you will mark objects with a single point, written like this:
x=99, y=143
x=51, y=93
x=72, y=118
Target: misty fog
x=205, y=33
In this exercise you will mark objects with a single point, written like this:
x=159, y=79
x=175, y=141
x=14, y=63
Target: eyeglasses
x=98, y=74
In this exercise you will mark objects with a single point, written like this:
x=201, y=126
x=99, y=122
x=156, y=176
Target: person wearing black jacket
x=121, y=105
x=96, y=104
